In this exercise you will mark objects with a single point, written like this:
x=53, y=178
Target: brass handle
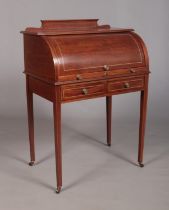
x=84, y=91
x=78, y=77
x=132, y=70
x=126, y=85
x=106, y=67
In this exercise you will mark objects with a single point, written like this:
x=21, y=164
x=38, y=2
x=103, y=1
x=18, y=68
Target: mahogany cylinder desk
x=72, y=60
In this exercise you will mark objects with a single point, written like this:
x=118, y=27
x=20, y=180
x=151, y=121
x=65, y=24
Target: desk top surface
x=68, y=27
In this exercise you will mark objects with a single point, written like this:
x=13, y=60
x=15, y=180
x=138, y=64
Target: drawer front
x=83, y=91
x=126, y=85
x=107, y=72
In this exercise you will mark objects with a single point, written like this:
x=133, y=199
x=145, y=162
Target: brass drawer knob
x=132, y=70
x=126, y=85
x=106, y=67
x=84, y=91
x=78, y=77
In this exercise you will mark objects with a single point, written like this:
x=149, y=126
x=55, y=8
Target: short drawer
x=83, y=91
x=126, y=85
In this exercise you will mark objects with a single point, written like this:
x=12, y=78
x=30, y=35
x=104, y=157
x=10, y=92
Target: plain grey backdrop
x=150, y=19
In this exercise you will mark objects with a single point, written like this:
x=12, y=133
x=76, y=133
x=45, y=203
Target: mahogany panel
x=42, y=89
x=38, y=58
x=69, y=24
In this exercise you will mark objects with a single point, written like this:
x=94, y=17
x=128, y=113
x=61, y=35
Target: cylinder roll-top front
x=66, y=56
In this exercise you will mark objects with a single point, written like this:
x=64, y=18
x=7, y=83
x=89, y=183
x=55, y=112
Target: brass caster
x=58, y=189
x=31, y=163
x=141, y=165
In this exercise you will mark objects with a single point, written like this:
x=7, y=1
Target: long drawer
x=83, y=91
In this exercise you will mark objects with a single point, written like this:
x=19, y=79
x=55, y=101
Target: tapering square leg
x=57, y=132
x=143, y=111
x=30, y=121
x=109, y=118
